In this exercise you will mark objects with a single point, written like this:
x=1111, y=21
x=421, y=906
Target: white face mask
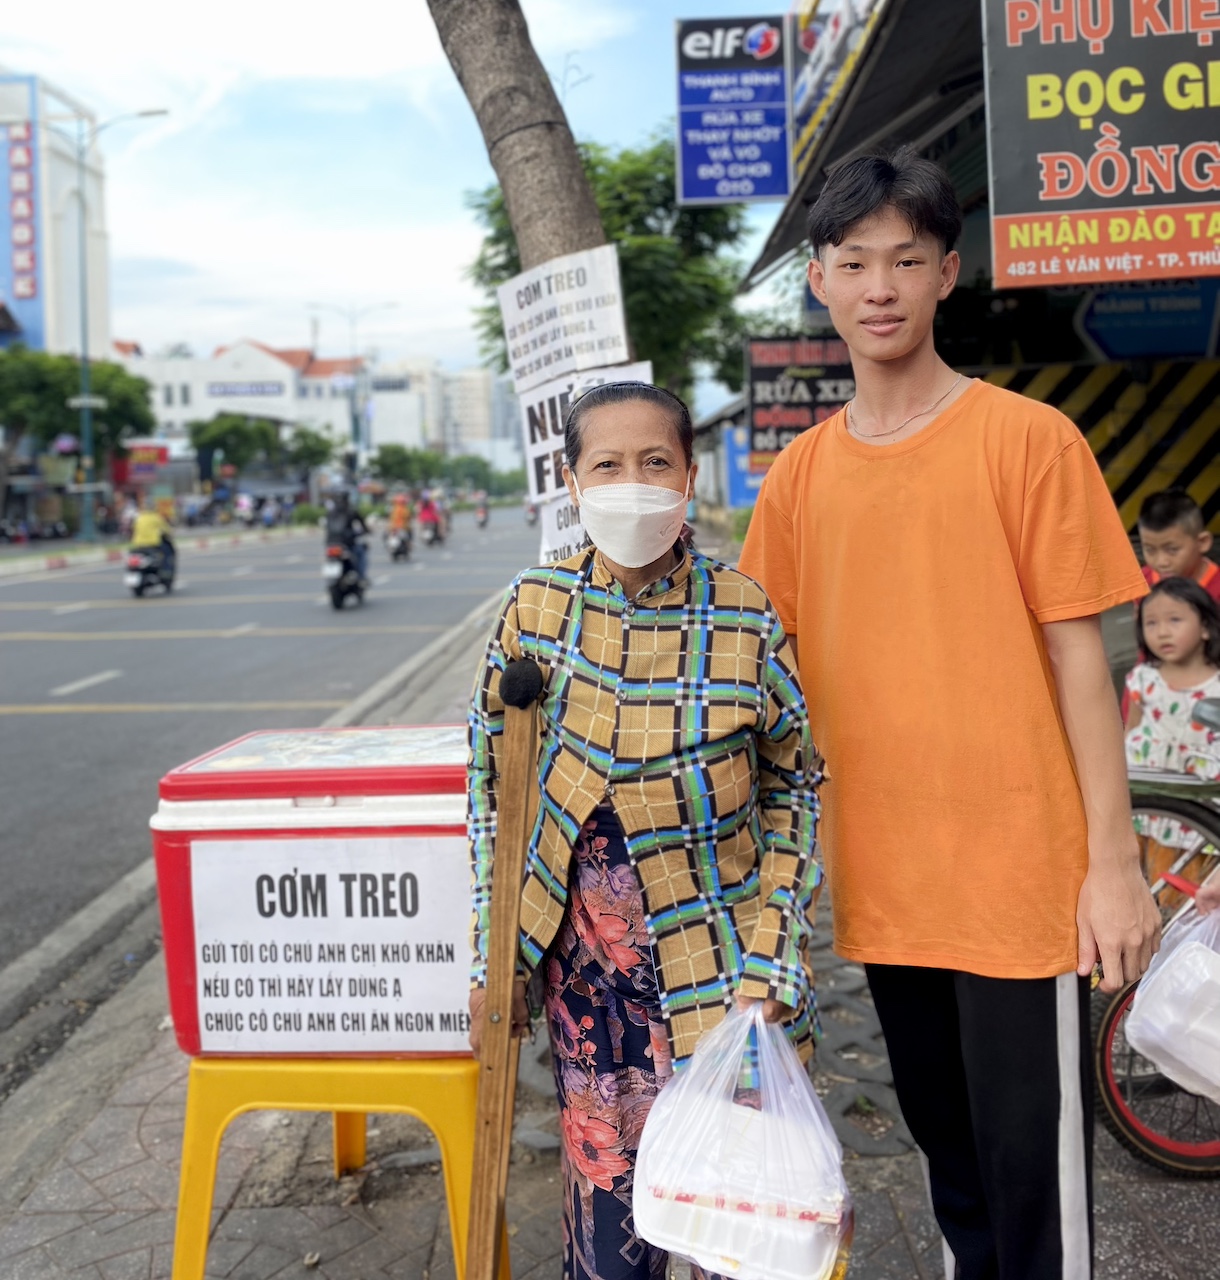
x=632, y=524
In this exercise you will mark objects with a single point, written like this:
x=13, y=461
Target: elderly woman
x=672, y=865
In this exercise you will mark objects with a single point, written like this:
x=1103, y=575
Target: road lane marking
x=269, y=633
x=243, y=630
x=187, y=602
x=159, y=708
x=242, y=570
x=64, y=690
x=381, y=580
x=293, y=559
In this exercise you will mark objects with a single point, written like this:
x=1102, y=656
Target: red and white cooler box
x=315, y=894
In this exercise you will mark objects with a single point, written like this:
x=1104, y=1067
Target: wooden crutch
x=516, y=763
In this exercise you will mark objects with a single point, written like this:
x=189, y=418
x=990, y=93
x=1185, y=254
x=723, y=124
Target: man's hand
x=521, y=1013
x=1116, y=919
x=1118, y=923
x=773, y=1010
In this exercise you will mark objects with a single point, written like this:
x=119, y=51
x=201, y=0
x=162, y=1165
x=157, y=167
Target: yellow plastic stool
x=439, y=1091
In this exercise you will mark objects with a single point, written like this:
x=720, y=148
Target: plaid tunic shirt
x=682, y=709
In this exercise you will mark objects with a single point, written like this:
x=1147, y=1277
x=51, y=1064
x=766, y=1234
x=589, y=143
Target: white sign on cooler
x=543, y=411
x=332, y=945
x=563, y=316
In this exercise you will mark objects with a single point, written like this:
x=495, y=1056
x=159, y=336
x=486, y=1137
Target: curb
x=31, y=975
x=360, y=708
x=112, y=554
x=28, y=978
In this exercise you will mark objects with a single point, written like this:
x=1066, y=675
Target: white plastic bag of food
x=1175, y=1017
x=738, y=1167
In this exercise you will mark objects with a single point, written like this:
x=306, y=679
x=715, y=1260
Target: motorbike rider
x=150, y=529
x=400, y=513
x=345, y=527
x=429, y=514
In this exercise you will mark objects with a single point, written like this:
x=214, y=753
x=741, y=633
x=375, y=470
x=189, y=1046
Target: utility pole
x=86, y=402
x=353, y=316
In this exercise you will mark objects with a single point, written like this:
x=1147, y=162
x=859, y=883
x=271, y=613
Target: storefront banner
x=791, y=385
x=144, y=461
x=22, y=253
x=733, y=110
x=1138, y=321
x=1102, y=142
x=829, y=40
x=543, y=412
x=564, y=316
x=741, y=485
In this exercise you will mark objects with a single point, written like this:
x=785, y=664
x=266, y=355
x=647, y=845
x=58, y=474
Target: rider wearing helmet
x=345, y=527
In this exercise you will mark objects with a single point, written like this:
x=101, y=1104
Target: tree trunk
x=549, y=201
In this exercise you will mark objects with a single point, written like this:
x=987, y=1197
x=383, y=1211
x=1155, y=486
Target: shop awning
x=921, y=73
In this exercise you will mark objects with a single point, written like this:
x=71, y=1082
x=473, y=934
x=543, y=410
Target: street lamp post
x=85, y=139
x=353, y=316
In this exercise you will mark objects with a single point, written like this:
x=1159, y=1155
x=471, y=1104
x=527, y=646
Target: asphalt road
x=101, y=694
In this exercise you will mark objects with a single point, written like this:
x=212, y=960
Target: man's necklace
x=893, y=431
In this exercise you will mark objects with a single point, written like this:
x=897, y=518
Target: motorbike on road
x=148, y=567
x=481, y=515
x=342, y=574
x=398, y=543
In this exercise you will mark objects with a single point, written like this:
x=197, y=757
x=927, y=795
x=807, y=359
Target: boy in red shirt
x=1175, y=543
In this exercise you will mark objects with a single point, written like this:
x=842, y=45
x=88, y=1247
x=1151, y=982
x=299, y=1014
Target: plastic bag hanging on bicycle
x=1175, y=1019
x=738, y=1167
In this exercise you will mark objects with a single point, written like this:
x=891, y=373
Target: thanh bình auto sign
x=1103, y=144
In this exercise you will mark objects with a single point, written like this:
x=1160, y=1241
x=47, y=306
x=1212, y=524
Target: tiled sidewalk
x=105, y=1210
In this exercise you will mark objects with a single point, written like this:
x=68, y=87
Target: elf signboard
x=734, y=112
x=1103, y=113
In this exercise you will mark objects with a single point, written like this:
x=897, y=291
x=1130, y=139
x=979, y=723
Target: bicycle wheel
x=1181, y=836
x=1154, y=1118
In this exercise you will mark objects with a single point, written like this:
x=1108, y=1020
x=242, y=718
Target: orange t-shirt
x=914, y=577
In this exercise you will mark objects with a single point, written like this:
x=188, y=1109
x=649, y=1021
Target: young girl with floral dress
x=1178, y=628
x=1179, y=633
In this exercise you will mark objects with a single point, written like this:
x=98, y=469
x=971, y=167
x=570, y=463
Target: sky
x=320, y=154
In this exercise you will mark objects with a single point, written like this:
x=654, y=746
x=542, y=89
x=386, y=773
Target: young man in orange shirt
x=978, y=836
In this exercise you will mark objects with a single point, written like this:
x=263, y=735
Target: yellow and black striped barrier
x=1146, y=435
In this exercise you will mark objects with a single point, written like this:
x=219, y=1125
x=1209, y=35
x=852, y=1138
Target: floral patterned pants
x=611, y=1056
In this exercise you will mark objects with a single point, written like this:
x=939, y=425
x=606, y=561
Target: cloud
x=315, y=152
x=131, y=54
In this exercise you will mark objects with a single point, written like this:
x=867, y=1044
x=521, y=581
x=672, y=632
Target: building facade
x=411, y=403
x=290, y=386
x=482, y=417
x=43, y=202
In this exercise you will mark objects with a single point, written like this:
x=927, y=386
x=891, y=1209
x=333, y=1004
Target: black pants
x=993, y=1078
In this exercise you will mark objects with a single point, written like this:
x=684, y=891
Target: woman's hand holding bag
x=1175, y=1017
x=738, y=1167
